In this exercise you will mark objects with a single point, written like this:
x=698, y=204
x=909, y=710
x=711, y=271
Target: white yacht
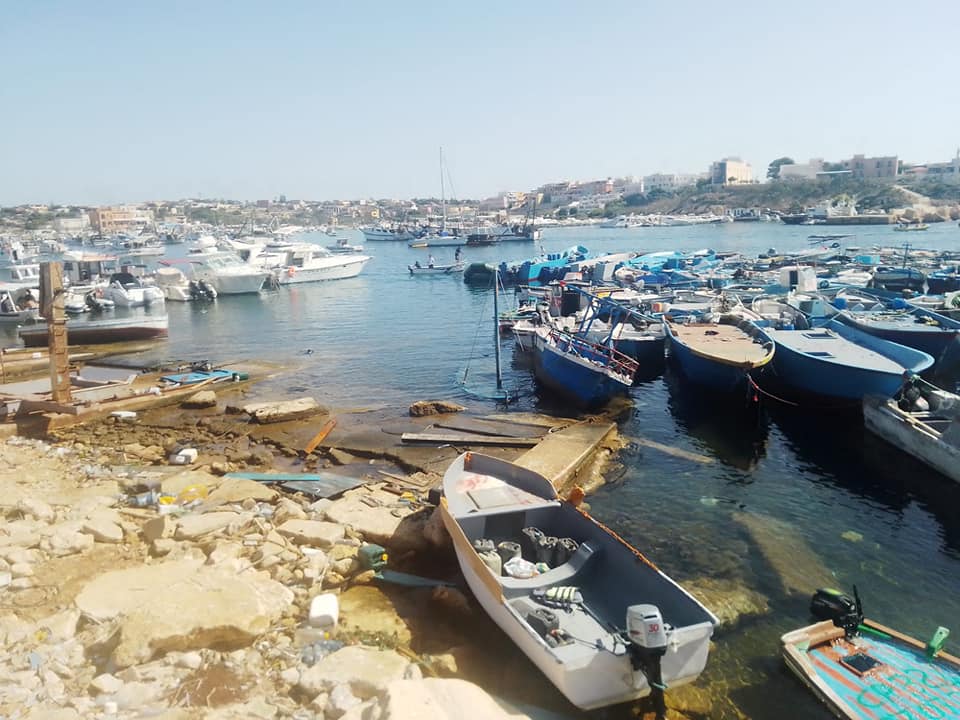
x=127, y=290
x=306, y=262
x=227, y=273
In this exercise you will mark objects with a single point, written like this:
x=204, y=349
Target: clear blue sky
x=105, y=102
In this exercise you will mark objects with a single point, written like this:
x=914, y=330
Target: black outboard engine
x=647, y=634
x=846, y=612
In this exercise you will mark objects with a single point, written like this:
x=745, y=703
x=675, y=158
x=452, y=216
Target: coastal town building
x=863, y=168
x=802, y=171
x=731, y=171
x=71, y=225
x=669, y=181
x=124, y=218
x=944, y=171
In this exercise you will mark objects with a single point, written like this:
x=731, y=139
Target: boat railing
x=604, y=354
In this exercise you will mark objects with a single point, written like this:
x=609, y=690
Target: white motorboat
x=600, y=620
x=20, y=276
x=343, y=246
x=19, y=305
x=227, y=273
x=418, y=269
x=177, y=287
x=305, y=262
x=382, y=232
x=127, y=290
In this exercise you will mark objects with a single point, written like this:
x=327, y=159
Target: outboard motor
x=648, y=644
x=846, y=612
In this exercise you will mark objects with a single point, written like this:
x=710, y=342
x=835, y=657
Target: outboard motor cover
x=645, y=627
x=830, y=604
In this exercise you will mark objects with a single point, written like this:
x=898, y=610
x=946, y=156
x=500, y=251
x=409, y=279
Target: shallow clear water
x=386, y=338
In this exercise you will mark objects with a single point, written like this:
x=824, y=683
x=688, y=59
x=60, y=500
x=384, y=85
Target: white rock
x=5, y=578
x=21, y=583
x=36, y=508
x=20, y=570
x=442, y=699
x=341, y=699
x=62, y=626
x=66, y=541
x=195, y=526
x=291, y=676
x=162, y=526
x=368, y=671
x=312, y=532
x=135, y=695
x=182, y=605
x=191, y=660
x=16, y=555
x=106, y=684
x=103, y=530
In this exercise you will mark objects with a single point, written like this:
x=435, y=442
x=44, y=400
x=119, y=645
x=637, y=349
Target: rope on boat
x=476, y=337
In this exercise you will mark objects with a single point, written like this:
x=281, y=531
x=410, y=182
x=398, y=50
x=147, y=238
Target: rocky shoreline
x=132, y=588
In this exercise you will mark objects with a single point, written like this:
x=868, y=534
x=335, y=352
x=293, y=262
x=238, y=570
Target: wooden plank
x=466, y=439
x=486, y=427
x=27, y=406
x=320, y=436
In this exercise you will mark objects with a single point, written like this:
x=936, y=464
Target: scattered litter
x=324, y=611
x=852, y=536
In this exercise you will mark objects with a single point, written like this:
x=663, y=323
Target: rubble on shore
x=132, y=588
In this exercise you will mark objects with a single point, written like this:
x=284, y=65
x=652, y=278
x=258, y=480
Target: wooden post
x=51, y=307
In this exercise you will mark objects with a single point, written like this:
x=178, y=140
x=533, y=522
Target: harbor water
x=757, y=504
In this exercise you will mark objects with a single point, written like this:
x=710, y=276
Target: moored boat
x=95, y=331
x=841, y=362
x=922, y=421
x=862, y=670
x=719, y=355
x=908, y=325
x=600, y=620
x=590, y=374
x=418, y=269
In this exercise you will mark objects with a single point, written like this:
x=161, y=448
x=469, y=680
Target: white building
x=802, y=171
x=71, y=225
x=669, y=181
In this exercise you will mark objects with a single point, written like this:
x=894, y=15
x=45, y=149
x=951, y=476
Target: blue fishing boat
x=538, y=270
x=906, y=324
x=842, y=362
x=863, y=670
x=588, y=373
x=719, y=355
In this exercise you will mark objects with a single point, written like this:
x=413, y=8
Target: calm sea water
x=386, y=338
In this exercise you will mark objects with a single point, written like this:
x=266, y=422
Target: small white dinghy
x=592, y=613
x=417, y=269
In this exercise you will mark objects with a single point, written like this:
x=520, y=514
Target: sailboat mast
x=496, y=325
x=443, y=195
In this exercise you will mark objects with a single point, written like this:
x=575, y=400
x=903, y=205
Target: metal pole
x=496, y=325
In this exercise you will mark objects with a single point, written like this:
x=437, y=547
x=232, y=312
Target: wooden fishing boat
x=867, y=671
x=588, y=373
x=841, y=362
x=453, y=269
x=598, y=618
x=720, y=354
x=912, y=326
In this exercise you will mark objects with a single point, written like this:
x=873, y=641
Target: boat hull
x=822, y=376
x=96, y=332
x=237, y=284
x=933, y=340
x=883, y=418
x=576, y=378
x=590, y=674
x=331, y=271
x=709, y=371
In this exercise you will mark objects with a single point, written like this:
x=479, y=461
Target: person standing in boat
x=430, y=261
x=456, y=255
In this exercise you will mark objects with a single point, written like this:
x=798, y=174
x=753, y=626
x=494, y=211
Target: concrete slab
x=562, y=453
